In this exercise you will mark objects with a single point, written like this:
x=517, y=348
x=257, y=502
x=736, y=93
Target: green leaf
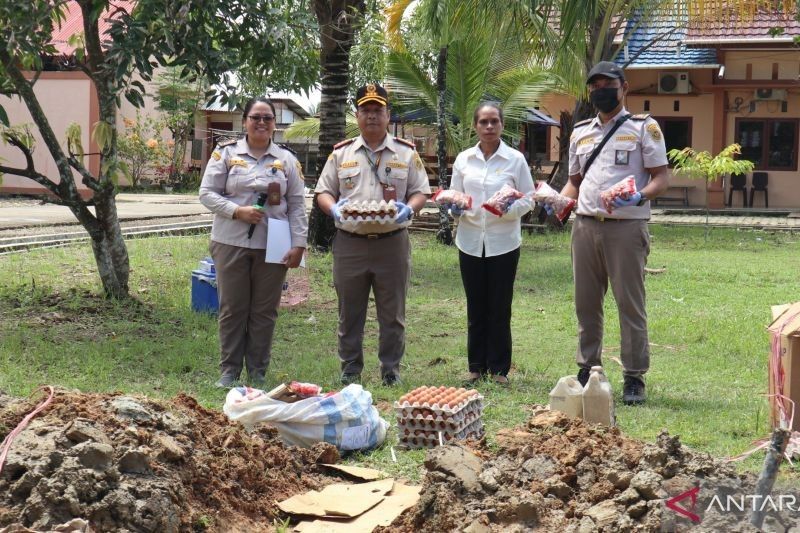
x=4, y=117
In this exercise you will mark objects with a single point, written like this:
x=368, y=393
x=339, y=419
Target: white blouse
x=478, y=229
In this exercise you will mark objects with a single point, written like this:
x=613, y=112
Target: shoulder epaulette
x=582, y=122
x=227, y=142
x=640, y=116
x=286, y=147
x=344, y=143
x=406, y=142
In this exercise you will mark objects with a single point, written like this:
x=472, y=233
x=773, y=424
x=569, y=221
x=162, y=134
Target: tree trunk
x=445, y=233
x=583, y=110
x=337, y=26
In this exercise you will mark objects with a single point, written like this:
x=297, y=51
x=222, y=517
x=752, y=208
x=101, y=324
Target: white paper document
x=279, y=241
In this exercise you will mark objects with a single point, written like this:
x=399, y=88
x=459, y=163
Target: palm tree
x=485, y=66
x=338, y=22
x=447, y=22
x=310, y=128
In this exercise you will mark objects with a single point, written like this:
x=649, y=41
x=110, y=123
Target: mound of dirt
x=127, y=463
x=561, y=474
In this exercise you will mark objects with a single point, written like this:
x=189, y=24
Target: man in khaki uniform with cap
x=611, y=243
x=373, y=166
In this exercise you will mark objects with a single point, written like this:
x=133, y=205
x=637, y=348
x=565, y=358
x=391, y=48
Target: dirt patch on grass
x=131, y=463
x=560, y=474
x=78, y=314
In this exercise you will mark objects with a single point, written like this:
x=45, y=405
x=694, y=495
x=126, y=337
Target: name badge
x=274, y=193
x=621, y=157
x=389, y=193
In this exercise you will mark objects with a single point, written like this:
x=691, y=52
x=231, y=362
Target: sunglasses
x=261, y=118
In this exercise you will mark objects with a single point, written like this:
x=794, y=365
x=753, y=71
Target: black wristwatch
x=642, y=200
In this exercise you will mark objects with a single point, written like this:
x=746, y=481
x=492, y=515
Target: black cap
x=606, y=69
x=371, y=92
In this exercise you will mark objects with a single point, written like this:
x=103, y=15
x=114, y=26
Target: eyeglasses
x=261, y=118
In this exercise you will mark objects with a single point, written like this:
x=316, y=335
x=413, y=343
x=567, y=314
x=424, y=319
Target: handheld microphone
x=262, y=199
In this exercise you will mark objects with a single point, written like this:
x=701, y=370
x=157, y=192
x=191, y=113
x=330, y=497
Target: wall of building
x=66, y=97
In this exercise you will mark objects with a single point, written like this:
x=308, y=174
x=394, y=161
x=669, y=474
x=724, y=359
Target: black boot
x=633, y=391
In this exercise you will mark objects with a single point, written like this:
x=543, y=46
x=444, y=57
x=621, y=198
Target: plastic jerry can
x=598, y=399
x=567, y=397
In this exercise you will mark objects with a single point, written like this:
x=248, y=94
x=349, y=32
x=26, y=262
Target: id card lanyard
x=389, y=191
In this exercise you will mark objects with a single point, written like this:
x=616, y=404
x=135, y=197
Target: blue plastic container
x=204, y=292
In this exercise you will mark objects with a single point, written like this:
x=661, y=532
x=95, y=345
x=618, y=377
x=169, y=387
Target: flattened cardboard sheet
x=338, y=500
x=401, y=498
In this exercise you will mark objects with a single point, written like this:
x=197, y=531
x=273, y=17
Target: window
x=285, y=115
x=677, y=132
x=769, y=143
x=538, y=141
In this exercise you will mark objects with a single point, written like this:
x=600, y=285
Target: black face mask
x=605, y=99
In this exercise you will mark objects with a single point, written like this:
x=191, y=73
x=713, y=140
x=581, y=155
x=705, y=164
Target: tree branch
x=26, y=173
x=86, y=176
x=29, y=171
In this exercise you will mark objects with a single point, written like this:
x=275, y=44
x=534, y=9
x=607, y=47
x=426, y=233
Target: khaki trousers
x=249, y=296
x=384, y=266
x=615, y=251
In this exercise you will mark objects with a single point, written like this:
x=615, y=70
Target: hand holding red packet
x=560, y=204
x=623, y=189
x=500, y=201
x=452, y=197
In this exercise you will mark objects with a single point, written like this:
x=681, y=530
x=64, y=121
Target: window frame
x=766, y=121
x=662, y=119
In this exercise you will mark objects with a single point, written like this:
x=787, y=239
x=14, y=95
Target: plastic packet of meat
x=500, y=201
x=451, y=197
x=623, y=189
x=305, y=390
x=562, y=205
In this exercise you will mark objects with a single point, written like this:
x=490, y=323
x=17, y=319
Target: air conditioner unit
x=673, y=82
x=769, y=94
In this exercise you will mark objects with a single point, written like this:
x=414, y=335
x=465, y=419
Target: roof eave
x=672, y=65
x=738, y=40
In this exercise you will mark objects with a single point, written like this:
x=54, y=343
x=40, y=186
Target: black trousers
x=489, y=286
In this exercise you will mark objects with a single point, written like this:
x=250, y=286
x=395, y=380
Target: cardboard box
x=785, y=336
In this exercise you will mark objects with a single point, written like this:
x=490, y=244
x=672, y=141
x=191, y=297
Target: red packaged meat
x=452, y=197
x=562, y=205
x=623, y=189
x=305, y=390
x=500, y=201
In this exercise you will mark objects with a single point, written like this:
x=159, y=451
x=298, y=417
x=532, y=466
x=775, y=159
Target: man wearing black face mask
x=612, y=244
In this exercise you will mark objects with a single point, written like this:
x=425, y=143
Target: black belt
x=601, y=218
x=371, y=235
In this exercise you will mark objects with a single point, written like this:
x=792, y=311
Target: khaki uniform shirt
x=349, y=174
x=234, y=178
x=636, y=146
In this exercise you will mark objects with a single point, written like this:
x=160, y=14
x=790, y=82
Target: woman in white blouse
x=488, y=244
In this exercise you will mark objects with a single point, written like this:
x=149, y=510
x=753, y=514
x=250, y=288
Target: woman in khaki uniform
x=238, y=174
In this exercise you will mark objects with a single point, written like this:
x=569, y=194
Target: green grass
x=707, y=314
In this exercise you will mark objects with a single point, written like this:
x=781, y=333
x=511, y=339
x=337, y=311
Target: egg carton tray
x=435, y=413
x=360, y=219
x=431, y=439
x=447, y=425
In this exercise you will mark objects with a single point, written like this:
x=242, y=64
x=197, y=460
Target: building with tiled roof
x=714, y=84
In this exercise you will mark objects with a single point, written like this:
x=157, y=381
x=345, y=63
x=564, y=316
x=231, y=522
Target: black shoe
x=258, y=381
x=348, y=378
x=390, y=380
x=583, y=376
x=633, y=391
x=227, y=381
